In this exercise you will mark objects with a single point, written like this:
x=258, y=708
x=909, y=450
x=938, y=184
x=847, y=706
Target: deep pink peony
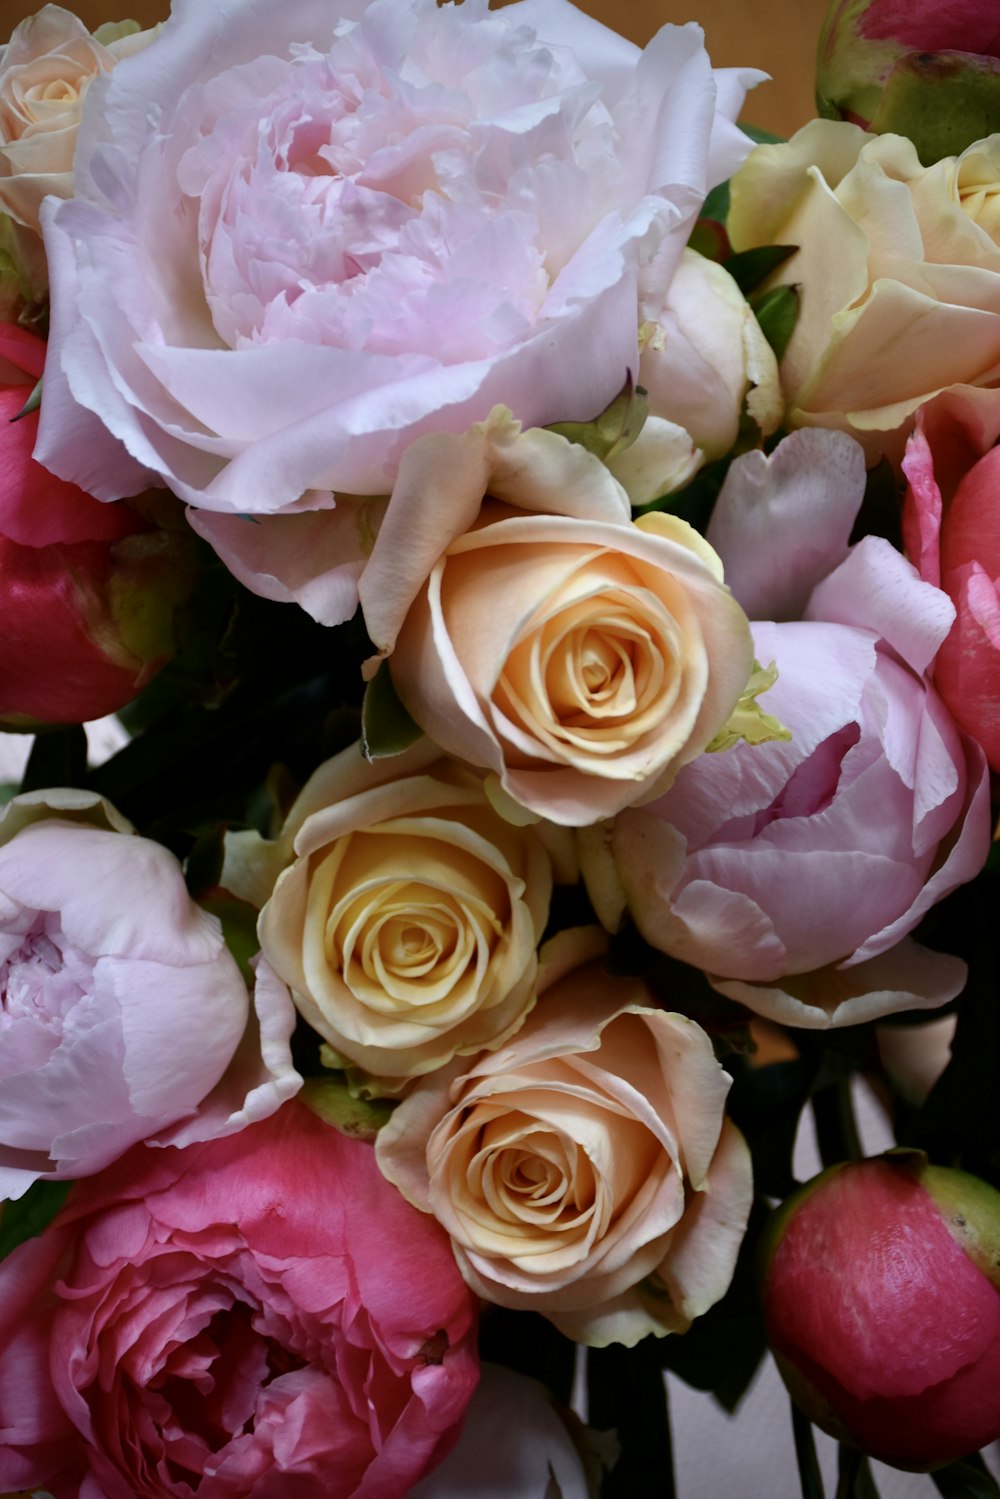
x=882, y=1304
x=263, y=1315
x=61, y=561
x=323, y=229
x=951, y=523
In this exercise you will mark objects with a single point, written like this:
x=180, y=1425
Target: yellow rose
x=898, y=268
x=586, y=1170
x=45, y=71
x=580, y=657
x=408, y=912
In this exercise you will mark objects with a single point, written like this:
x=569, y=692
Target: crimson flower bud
x=881, y=1288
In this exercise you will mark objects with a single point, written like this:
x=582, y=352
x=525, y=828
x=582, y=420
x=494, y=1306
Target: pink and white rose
x=257, y=1315
x=124, y=1016
x=586, y=1170
x=322, y=231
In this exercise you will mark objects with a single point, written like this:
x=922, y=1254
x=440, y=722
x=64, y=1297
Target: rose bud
x=882, y=65
x=89, y=591
x=881, y=1289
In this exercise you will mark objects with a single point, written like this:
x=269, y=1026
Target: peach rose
x=898, y=267
x=407, y=919
x=45, y=71
x=587, y=1170
x=580, y=657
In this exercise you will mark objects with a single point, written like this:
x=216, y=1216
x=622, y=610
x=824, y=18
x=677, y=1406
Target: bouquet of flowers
x=539, y=540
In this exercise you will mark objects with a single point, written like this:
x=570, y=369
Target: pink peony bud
x=88, y=590
x=882, y=1299
x=919, y=68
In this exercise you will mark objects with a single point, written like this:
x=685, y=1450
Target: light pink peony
x=793, y=873
x=951, y=524
x=322, y=230
x=261, y=1315
x=123, y=1013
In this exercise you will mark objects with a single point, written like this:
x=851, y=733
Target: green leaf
x=238, y=919
x=203, y=865
x=777, y=312
x=749, y=268
x=332, y=1100
x=386, y=726
x=967, y=1479
x=31, y=1213
x=617, y=427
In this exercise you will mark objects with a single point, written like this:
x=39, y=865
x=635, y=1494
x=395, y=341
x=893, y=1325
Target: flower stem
x=810, y=1477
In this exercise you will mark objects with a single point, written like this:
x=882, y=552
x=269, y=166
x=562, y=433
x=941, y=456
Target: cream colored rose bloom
x=898, y=270
x=580, y=657
x=587, y=1170
x=45, y=71
x=407, y=912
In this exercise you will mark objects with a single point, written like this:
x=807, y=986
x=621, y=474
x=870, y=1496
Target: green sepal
x=332, y=1100
x=238, y=919
x=942, y=100
x=386, y=726
x=33, y=403
x=748, y=721
x=617, y=427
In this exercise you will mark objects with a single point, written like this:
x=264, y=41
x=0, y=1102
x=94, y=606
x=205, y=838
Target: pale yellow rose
x=586, y=1170
x=407, y=912
x=45, y=71
x=534, y=630
x=898, y=269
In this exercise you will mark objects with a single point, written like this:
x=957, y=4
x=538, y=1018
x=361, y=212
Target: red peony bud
x=88, y=590
x=928, y=69
x=881, y=1295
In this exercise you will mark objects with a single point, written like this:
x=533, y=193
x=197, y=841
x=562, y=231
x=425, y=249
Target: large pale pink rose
x=323, y=229
x=951, y=524
x=124, y=1014
x=257, y=1316
x=794, y=872
x=586, y=1170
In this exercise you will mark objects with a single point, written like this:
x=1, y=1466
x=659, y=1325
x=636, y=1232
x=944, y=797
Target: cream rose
x=45, y=71
x=898, y=267
x=586, y=1170
x=408, y=912
x=581, y=660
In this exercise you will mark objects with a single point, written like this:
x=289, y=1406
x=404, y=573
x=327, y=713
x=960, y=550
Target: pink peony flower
x=123, y=1013
x=76, y=646
x=261, y=1315
x=333, y=228
x=881, y=1293
x=951, y=525
x=793, y=872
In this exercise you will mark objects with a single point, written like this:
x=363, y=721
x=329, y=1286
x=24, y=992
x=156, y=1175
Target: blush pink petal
x=313, y=560
x=807, y=493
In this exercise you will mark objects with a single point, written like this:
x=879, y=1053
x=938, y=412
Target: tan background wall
x=777, y=35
